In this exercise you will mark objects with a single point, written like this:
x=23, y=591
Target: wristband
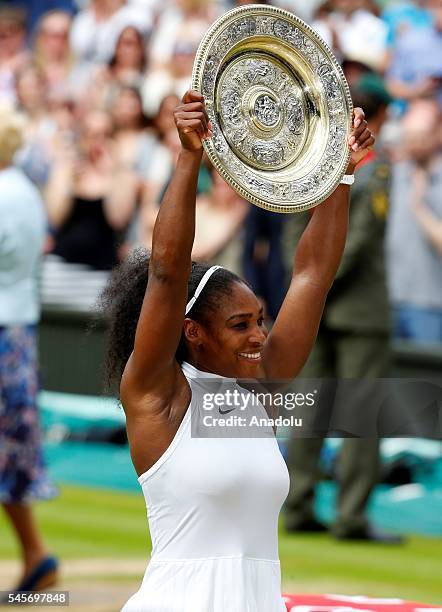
x=348, y=179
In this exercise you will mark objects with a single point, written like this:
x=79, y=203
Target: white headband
x=201, y=285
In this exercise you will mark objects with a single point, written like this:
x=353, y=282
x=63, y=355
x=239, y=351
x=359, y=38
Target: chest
x=231, y=473
x=92, y=184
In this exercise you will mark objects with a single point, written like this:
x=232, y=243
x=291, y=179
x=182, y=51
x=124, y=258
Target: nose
x=258, y=336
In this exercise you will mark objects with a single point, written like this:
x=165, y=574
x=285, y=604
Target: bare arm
x=151, y=369
x=59, y=192
x=430, y=224
x=315, y=265
x=209, y=242
x=410, y=91
x=317, y=258
x=121, y=201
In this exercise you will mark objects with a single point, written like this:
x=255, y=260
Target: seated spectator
x=95, y=29
x=129, y=60
x=51, y=49
x=13, y=53
x=134, y=142
x=125, y=68
x=415, y=227
x=90, y=201
x=351, y=29
x=416, y=67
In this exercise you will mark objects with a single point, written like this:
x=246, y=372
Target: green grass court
x=86, y=523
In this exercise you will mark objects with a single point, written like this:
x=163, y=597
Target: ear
x=193, y=332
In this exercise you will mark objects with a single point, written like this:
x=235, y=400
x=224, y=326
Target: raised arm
x=430, y=224
x=315, y=265
x=151, y=369
x=120, y=203
x=59, y=190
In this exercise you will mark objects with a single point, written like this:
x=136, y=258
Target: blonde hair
x=12, y=126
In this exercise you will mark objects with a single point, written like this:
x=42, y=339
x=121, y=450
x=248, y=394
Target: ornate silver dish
x=280, y=108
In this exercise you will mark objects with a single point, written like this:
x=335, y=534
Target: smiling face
x=231, y=342
x=53, y=36
x=129, y=50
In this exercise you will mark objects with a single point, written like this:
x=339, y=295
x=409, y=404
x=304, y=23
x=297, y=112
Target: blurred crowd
x=96, y=82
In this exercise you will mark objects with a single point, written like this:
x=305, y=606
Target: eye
x=261, y=321
x=242, y=325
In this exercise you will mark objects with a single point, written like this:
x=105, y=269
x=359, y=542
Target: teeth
x=250, y=355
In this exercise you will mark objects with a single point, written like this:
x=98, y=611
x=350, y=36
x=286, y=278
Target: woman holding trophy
x=213, y=504
x=181, y=330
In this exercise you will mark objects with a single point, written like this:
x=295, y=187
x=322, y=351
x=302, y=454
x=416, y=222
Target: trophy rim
x=197, y=73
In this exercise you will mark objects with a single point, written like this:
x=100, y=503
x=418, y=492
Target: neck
x=195, y=361
x=35, y=112
x=202, y=371
x=427, y=163
x=128, y=66
x=127, y=130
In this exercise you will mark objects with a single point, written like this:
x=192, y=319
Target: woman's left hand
x=361, y=139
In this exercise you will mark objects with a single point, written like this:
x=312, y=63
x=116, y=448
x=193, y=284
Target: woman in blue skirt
x=22, y=475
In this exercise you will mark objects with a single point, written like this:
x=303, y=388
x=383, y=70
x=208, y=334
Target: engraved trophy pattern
x=279, y=131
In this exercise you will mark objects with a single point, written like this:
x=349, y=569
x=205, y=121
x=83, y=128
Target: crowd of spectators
x=97, y=80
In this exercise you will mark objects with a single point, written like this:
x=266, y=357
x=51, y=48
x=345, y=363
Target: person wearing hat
x=353, y=342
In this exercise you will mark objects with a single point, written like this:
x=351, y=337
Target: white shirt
x=213, y=500
x=362, y=37
x=95, y=41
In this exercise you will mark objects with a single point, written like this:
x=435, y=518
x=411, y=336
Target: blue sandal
x=42, y=577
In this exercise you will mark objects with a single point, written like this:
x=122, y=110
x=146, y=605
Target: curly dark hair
x=122, y=299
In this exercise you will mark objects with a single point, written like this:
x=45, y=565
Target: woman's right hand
x=192, y=121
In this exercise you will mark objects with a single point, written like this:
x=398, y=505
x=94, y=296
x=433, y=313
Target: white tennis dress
x=213, y=506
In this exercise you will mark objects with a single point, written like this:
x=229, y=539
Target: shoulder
x=160, y=397
x=415, y=38
x=14, y=181
x=152, y=420
x=364, y=18
x=83, y=18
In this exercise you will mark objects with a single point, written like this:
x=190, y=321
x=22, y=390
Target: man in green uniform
x=353, y=341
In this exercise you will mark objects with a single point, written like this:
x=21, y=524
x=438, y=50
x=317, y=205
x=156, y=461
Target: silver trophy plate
x=280, y=108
